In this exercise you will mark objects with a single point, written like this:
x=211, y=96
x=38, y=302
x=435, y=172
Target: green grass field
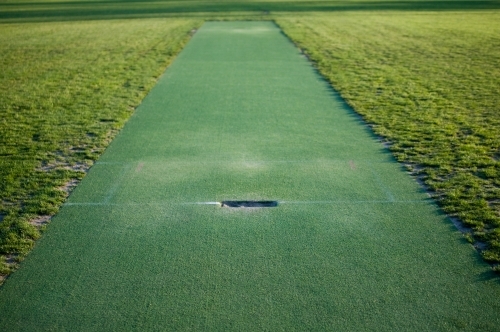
x=354, y=244
x=57, y=10
x=428, y=83
x=66, y=90
x=423, y=74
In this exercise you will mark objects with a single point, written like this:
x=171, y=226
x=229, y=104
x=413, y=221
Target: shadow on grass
x=489, y=275
x=78, y=10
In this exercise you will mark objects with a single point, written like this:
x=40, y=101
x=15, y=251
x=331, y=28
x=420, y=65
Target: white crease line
x=88, y=204
x=200, y=203
x=138, y=204
x=352, y=202
x=229, y=162
x=219, y=203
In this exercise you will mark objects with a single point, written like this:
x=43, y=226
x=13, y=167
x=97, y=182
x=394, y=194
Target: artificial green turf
x=353, y=245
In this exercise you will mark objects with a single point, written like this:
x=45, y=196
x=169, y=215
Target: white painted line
x=230, y=162
x=219, y=203
x=201, y=203
x=354, y=202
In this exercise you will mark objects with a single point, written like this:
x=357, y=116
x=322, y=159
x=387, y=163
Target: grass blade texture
x=428, y=83
x=65, y=90
x=354, y=243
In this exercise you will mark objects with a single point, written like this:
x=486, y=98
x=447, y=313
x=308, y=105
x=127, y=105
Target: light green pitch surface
x=354, y=244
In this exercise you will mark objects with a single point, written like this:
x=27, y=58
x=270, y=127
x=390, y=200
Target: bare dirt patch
x=40, y=221
x=69, y=186
x=77, y=167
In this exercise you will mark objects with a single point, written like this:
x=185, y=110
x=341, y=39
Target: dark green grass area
x=66, y=88
x=429, y=83
x=80, y=10
x=353, y=245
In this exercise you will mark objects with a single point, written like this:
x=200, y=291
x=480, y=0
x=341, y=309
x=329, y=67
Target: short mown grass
x=427, y=82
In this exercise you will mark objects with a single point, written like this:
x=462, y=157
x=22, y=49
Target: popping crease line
x=354, y=202
x=219, y=203
x=340, y=161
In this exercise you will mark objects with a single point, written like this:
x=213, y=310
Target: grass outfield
x=56, y=10
x=456, y=155
x=429, y=84
x=353, y=245
x=66, y=90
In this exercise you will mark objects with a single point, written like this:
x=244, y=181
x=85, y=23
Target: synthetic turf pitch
x=354, y=244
